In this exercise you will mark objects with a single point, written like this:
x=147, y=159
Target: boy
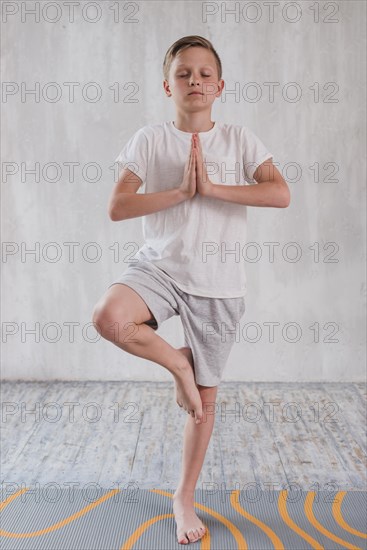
x=194, y=209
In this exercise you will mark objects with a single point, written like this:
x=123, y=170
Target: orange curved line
x=60, y=523
x=337, y=513
x=282, y=507
x=8, y=500
x=310, y=515
x=237, y=535
x=277, y=543
x=129, y=543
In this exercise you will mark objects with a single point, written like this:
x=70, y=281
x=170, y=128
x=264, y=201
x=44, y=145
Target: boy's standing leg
x=195, y=443
x=114, y=322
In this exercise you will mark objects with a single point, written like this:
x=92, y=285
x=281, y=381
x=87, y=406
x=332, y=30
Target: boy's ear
x=166, y=86
x=220, y=85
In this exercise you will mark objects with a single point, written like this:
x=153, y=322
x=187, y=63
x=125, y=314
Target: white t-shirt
x=198, y=242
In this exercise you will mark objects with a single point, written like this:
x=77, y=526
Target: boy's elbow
x=286, y=200
x=111, y=214
x=114, y=215
x=284, y=196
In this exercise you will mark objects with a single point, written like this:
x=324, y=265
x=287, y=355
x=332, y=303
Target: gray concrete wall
x=318, y=142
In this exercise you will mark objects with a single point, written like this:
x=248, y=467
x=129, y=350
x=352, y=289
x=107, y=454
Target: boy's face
x=194, y=69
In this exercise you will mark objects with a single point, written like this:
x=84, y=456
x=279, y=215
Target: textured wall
x=318, y=142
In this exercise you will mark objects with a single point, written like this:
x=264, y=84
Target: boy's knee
x=103, y=319
x=98, y=318
x=107, y=322
x=207, y=390
x=208, y=396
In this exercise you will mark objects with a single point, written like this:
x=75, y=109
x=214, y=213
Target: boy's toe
x=192, y=535
x=183, y=540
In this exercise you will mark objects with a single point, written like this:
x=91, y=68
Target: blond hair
x=187, y=42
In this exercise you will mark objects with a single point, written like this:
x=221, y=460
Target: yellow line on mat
x=309, y=513
x=58, y=525
x=277, y=543
x=282, y=507
x=337, y=513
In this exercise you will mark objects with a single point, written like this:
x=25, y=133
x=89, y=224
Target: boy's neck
x=193, y=122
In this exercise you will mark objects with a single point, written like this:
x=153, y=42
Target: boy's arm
x=272, y=189
x=125, y=203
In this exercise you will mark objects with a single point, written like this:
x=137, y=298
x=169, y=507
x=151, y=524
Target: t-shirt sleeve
x=134, y=155
x=254, y=154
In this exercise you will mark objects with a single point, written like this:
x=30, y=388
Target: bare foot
x=189, y=526
x=187, y=393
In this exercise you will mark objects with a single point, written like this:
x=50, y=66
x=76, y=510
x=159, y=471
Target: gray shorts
x=210, y=324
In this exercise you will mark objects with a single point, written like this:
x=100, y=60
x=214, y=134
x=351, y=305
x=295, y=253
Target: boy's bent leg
x=196, y=440
x=120, y=317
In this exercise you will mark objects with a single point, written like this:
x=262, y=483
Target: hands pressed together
x=196, y=179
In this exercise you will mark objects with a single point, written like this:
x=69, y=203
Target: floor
x=274, y=436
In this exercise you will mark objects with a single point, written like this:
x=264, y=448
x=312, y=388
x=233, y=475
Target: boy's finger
x=192, y=159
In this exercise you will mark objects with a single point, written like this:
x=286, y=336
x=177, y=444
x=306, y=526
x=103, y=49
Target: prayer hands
x=196, y=179
x=203, y=183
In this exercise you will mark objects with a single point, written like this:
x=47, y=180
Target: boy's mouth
x=195, y=93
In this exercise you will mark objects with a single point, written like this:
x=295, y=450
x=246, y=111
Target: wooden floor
x=111, y=433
